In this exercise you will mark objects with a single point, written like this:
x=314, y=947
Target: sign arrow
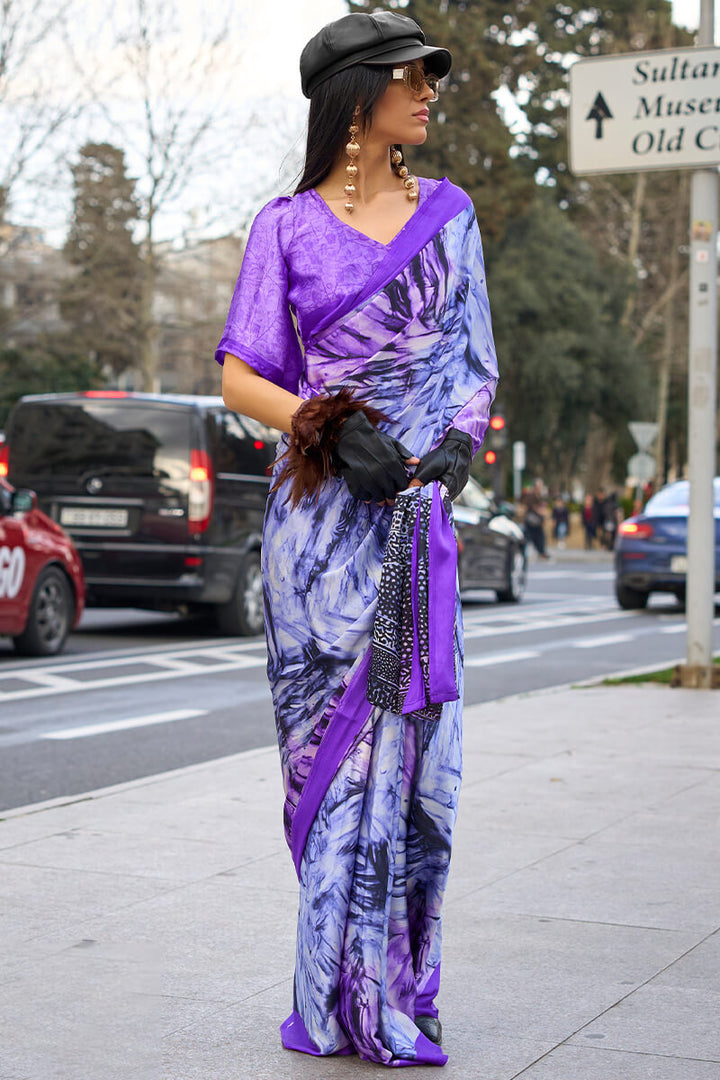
x=598, y=113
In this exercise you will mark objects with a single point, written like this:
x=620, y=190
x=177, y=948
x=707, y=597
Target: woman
x=360, y=328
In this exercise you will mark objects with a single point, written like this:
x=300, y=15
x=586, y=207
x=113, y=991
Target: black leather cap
x=379, y=39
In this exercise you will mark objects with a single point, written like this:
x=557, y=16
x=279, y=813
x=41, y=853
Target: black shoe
x=430, y=1027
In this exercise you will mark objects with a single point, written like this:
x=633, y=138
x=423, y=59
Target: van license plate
x=98, y=518
x=678, y=564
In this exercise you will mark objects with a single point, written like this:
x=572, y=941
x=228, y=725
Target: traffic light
x=494, y=456
x=498, y=434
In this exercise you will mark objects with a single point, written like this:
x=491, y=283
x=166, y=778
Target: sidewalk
x=148, y=929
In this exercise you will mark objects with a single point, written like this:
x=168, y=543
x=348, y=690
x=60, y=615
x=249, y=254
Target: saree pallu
x=371, y=793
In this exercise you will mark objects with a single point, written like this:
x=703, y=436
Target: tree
x=101, y=301
x=34, y=105
x=566, y=363
x=550, y=36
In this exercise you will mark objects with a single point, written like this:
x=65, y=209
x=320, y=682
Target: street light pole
x=702, y=409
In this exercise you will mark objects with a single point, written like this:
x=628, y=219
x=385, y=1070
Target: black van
x=163, y=495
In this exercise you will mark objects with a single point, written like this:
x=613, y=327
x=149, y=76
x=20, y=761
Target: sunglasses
x=415, y=79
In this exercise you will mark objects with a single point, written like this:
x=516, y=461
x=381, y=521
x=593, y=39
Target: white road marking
x=56, y=678
x=123, y=725
x=544, y=621
x=601, y=642
x=500, y=658
x=225, y=652
x=681, y=629
x=44, y=678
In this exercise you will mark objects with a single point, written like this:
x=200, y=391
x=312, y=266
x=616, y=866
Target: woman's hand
x=449, y=463
x=373, y=464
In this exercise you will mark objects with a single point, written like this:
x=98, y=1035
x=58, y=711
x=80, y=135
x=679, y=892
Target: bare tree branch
x=183, y=114
x=659, y=306
x=34, y=106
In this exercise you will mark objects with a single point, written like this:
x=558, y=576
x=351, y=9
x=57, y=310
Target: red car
x=42, y=587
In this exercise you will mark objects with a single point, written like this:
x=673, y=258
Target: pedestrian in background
x=560, y=520
x=382, y=273
x=588, y=520
x=534, y=523
x=598, y=513
x=611, y=517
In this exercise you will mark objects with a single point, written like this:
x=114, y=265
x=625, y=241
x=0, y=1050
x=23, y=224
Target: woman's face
x=402, y=116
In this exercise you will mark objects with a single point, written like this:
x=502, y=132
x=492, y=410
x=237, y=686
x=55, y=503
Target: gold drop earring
x=409, y=182
x=351, y=170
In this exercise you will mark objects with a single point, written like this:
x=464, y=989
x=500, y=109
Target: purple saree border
x=441, y=206
x=442, y=582
x=346, y=724
x=425, y=1000
x=442, y=588
x=294, y=1036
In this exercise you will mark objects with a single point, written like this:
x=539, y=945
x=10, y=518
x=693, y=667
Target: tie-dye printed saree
x=371, y=794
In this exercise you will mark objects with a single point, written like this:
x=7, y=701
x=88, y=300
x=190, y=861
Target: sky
x=687, y=13
x=256, y=82
x=302, y=18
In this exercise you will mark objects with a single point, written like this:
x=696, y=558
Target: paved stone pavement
x=147, y=930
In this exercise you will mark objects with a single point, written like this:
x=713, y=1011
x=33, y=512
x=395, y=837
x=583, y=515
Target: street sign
x=642, y=467
x=643, y=433
x=652, y=110
x=518, y=466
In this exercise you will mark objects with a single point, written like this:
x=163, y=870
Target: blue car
x=651, y=548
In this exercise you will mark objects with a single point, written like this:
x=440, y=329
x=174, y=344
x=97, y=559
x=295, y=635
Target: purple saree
x=370, y=738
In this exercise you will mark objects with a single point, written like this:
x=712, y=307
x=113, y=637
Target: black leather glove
x=371, y=463
x=449, y=462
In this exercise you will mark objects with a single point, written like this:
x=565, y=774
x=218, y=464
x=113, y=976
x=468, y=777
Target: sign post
x=641, y=466
x=702, y=411
x=644, y=433
x=661, y=110
x=518, y=466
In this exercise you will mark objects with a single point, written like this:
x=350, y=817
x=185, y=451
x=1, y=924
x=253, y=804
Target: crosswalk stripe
x=72, y=686
x=123, y=725
x=500, y=658
x=600, y=642
x=547, y=622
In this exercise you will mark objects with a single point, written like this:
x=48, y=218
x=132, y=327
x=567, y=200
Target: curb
x=129, y=785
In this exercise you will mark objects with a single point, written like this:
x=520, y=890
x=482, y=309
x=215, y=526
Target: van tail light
x=105, y=393
x=636, y=530
x=4, y=460
x=202, y=484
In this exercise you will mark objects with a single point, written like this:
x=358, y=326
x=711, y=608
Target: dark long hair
x=331, y=111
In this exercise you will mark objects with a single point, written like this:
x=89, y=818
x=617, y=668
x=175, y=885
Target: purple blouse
x=300, y=259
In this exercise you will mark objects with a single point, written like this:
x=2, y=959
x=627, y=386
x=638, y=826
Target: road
x=137, y=694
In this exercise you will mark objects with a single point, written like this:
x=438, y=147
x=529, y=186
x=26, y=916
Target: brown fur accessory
x=310, y=458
